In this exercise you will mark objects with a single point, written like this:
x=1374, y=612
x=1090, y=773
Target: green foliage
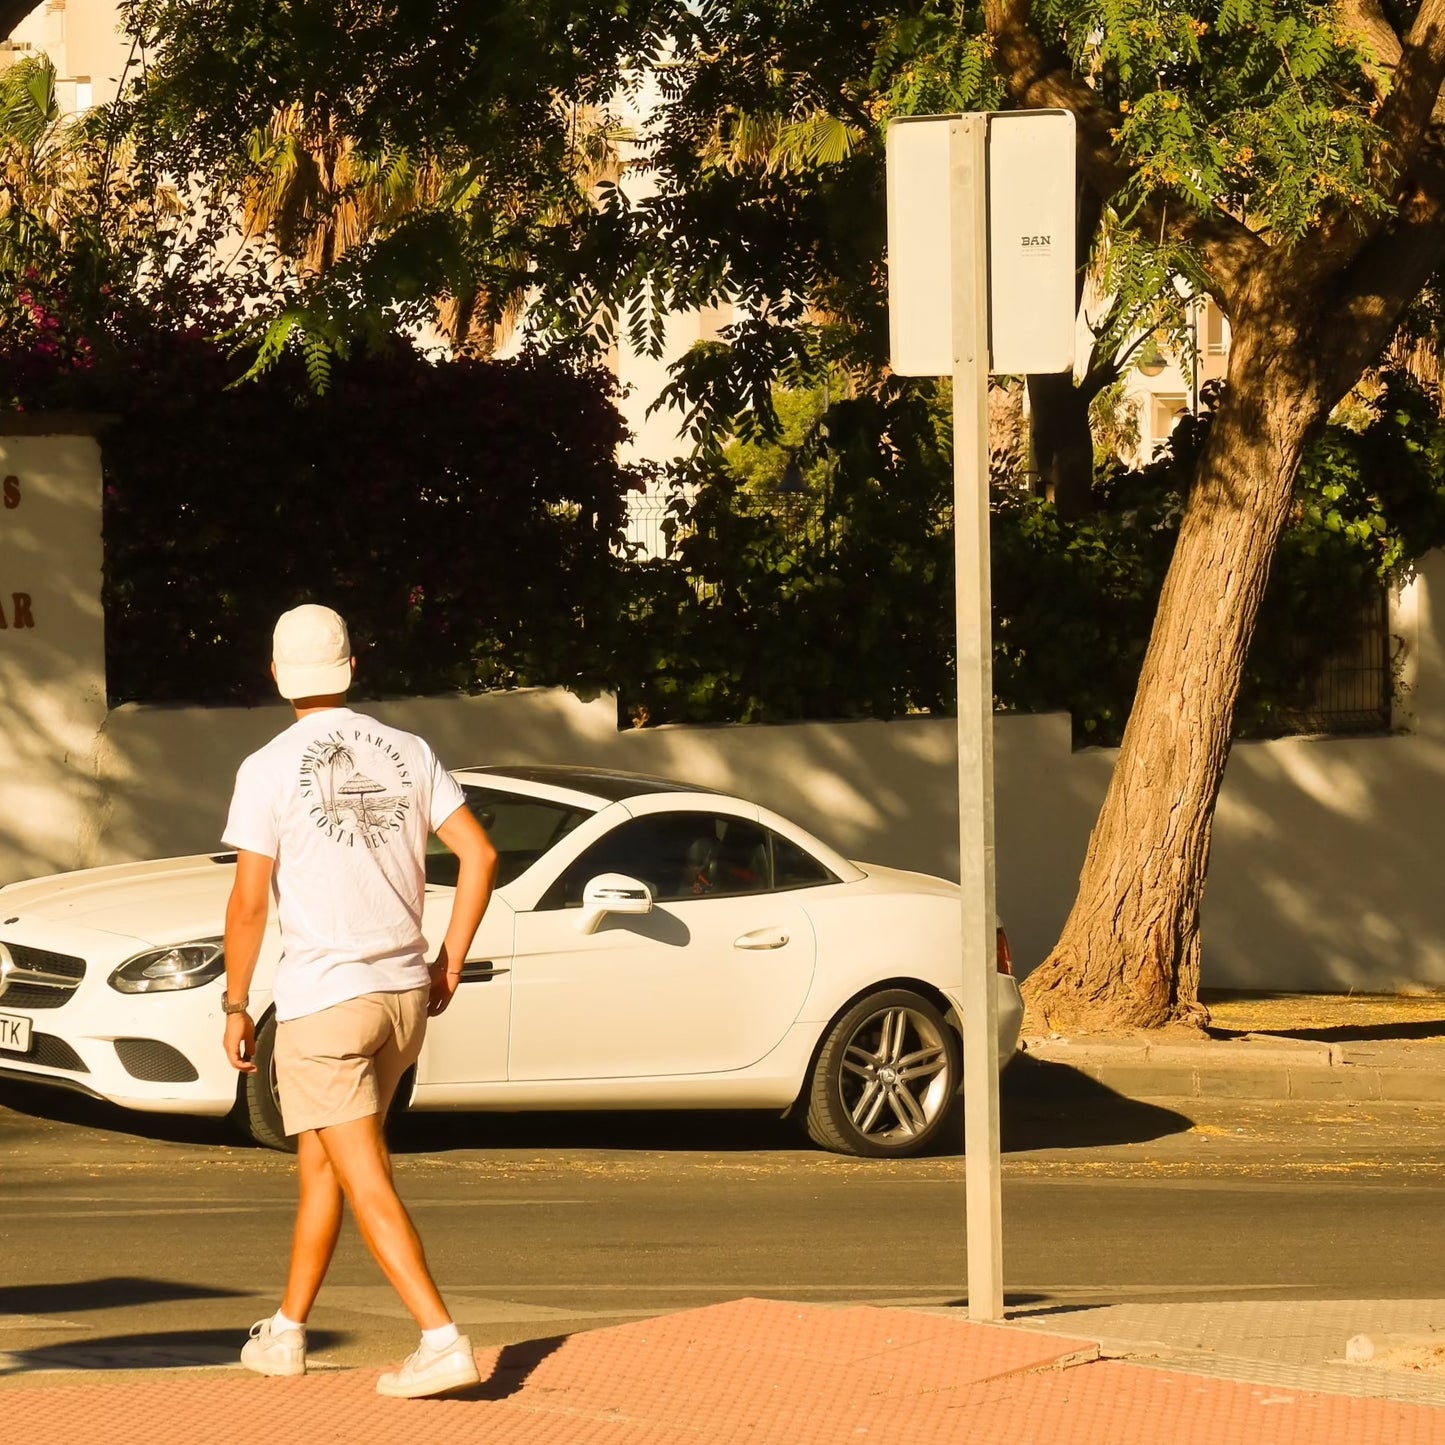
x=1261, y=107
x=505, y=105
x=764, y=188
x=820, y=603
x=837, y=601
x=464, y=516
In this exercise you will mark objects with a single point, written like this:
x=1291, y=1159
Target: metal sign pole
x=1003, y=253
x=968, y=138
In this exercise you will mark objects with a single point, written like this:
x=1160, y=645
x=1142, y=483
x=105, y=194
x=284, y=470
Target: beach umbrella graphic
x=360, y=788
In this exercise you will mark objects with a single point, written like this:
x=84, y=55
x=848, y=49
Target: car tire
x=260, y=1105
x=885, y=1081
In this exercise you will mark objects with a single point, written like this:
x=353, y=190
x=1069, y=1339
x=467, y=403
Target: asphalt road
x=135, y=1243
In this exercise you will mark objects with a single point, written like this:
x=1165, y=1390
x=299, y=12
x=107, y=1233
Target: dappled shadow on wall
x=1324, y=868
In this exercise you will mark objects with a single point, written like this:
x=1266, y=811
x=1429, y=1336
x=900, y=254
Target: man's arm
x=245, y=927
x=476, y=874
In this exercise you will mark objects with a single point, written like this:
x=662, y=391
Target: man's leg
x=361, y=1164
x=318, y=1226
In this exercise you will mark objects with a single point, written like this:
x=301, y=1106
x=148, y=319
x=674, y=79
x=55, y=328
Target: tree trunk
x=1129, y=952
x=1062, y=443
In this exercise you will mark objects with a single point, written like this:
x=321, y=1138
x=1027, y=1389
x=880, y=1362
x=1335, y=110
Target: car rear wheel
x=886, y=1078
x=260, y=1103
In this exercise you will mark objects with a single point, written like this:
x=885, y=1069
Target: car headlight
x=163, y=970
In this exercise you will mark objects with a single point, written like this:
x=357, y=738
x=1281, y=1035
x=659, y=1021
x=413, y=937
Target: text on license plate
x=15, y=1033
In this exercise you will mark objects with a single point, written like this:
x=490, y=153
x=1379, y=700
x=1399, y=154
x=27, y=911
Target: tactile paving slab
x=756, y=1371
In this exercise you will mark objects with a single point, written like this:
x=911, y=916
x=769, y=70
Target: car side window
x=680, y=856
x=793, y=868
x=521, y=829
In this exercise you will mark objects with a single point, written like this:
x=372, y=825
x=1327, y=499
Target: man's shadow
x=513, y=1369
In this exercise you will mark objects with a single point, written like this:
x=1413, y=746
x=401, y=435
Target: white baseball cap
x=312, y=653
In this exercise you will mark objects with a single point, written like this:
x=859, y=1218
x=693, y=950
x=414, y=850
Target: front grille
x=155, y=1062
x=37, y=979
x=50, y=1053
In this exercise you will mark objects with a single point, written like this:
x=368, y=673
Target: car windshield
x=522, y=829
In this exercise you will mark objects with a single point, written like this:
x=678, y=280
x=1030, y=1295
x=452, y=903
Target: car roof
x=606, y=784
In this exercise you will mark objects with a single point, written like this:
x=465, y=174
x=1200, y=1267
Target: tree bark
x=1129, y=952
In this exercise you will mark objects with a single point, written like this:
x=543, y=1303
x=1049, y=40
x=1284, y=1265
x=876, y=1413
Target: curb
x=1253, y=1068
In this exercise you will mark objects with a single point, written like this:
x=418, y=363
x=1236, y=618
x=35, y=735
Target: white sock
x=441, y=1337
x=279, y=1322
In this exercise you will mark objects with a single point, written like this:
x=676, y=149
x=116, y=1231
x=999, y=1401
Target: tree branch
x=1036, y=79
x=1385, y=277
x=1369, y=22
x=12, y=12
x=1411, y=107
x=1415, y=90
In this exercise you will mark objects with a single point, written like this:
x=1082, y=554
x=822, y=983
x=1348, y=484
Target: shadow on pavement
x=513, y=1369
x=712, y=1131
x=1045, y=1105
x=76, y=1296
x=66, y=1107
x=156, y=1350
x=1343, y=1033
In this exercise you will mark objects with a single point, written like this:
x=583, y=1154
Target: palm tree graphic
x=334, y=757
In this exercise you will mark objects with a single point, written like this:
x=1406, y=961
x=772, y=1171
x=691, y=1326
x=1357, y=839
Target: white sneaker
x=279, y=1353
x=432, y=1372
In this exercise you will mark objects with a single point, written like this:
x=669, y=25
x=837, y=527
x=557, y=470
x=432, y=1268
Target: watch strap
x=227, y=1007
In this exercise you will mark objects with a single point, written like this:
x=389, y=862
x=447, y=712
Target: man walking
x=332, y=817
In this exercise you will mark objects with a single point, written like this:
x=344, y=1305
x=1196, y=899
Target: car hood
x=160, y=902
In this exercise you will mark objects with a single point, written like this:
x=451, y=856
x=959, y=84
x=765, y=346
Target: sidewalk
x=1289, y=1046
x=760, y=1371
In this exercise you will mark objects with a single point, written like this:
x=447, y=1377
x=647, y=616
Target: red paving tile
x=757, y=1371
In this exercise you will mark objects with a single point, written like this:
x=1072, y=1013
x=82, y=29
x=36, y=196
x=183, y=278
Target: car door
x=467, y=1045
x=709, y=981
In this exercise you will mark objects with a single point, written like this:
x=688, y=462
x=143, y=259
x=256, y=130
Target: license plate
x=15, y=1033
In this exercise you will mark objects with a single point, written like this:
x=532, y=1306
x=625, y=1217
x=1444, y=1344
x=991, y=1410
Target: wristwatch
x=227, y=1007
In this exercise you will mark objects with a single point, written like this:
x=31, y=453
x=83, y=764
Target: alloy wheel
x=895, y=1075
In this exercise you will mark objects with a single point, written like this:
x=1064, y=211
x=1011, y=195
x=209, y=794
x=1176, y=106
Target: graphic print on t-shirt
x=357, y=786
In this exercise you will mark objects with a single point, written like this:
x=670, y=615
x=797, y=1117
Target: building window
x=1164, y=417
x=1215, y=343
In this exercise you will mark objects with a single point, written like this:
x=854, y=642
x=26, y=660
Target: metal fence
x=646, y=536
x=1353, y=691
x=652, y=529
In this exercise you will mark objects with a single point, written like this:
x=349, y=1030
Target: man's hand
x=476, y=872
x=241, y=1042
x=245, y=926
x=443, y=987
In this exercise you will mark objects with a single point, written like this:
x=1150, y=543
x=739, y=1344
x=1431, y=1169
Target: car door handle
x=476, y=970
x=762, y=938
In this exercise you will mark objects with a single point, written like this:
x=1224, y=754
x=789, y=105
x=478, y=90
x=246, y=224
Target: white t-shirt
x=345, y=806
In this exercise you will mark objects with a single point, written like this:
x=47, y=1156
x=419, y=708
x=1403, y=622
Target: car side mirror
x=612, y=893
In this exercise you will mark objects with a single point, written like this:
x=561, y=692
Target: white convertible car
x=650, y=945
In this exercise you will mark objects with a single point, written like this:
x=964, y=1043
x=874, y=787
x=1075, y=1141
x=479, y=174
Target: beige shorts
x=344, y=1062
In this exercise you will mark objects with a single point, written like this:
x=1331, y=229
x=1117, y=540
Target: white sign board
x=1031, y=268
x=920, y=253
x=1030, y=236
